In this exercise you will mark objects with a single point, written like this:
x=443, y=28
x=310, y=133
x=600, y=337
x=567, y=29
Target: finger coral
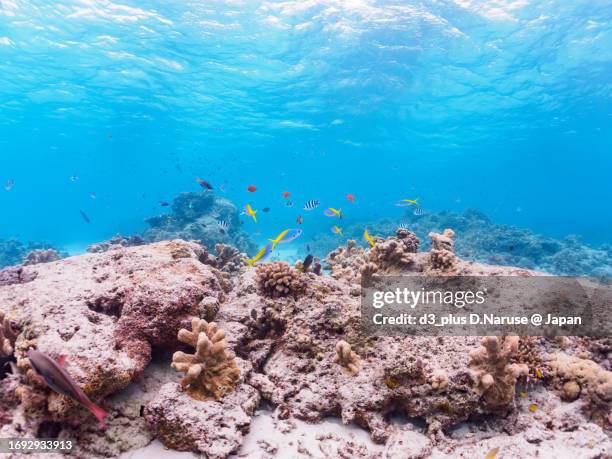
x=278, y=279
x=494, y=374
x=211, y=372
x=347, y=358
x=396, y=253
x=7, y=336
x=442, y=256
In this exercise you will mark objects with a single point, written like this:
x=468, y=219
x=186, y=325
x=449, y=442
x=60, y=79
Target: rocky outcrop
x=107, y=311
x=300, y=348
x=196, y=216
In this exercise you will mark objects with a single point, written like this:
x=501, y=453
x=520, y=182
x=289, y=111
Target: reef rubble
x=290, y=340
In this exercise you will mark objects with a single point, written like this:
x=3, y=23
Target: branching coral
x=442, y=256
x=211, y=372
x=494, y=374
x=347, y=358
x=279, y=280
x=8, y=335
x=345, y=261
x=396, y=253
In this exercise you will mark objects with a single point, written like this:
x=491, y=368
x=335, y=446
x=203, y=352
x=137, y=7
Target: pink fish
x=58, y=379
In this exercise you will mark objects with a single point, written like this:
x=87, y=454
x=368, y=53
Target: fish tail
x=98, y=412
x=248, y=262
x=255, y=216
x=273, y=243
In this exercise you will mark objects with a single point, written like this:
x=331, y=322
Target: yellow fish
x=411, y=201
x=368, y=238
x=249, y=211
x=491, y=454
x=533, y=408
x=337, y=230
x=523, y=394
x=260, y=256
x=331, y=212
x=538, y=373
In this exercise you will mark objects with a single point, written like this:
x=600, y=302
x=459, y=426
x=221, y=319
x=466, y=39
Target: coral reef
x=227, y=259
x=395, y=253
x=479, y=239
x=41, y=256
x=280, y=336
x=347, y=358
x=116, y=242
x=278, y=279
x=14, y=252
x=16, y=275
x=495, y=376
x=442, y=253
x=211, y=372
x=196, y=216
x=585, y=378
x=8, y=335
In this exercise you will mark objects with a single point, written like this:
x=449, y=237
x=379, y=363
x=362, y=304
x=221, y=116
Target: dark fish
x=58, y=379
x=307, y=262
x=308, y=248
x=299, y=220
x=253, y=314
x=312, y=204
x=289, y=204
x=317, y=266
x=265, y=209
x=204, y=184
x=85, y=217
x=142, y=407
x=164, y=203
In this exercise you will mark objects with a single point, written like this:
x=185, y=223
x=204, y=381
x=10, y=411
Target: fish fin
x=62, y=360
x=98, y=412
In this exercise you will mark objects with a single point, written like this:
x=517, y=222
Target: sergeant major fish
x=312, y=204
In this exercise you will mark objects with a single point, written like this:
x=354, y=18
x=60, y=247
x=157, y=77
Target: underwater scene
x=196, y=195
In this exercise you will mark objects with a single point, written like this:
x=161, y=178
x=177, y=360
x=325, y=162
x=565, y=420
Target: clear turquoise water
x=503, y=106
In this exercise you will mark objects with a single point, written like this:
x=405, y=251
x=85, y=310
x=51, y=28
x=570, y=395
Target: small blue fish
x=289, y=204
x=312, y=204
x=8, y=186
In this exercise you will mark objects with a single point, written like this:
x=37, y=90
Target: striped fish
x=418, y=211
x=402, y=226
x=312, y=204
x=223, y=225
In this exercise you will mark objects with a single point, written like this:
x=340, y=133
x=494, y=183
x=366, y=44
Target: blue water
x=501, y=105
